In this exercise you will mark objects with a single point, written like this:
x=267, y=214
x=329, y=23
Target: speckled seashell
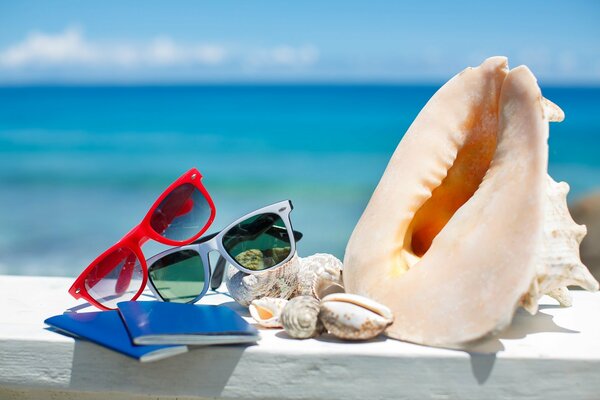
x=353, y=317
x=279, y=283
x=267, y=311
x=300, y=317
x=316, y=273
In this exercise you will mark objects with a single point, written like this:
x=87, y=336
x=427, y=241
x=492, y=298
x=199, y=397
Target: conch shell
x=280, y=282
x=462, y=228
x=267, y=311
x=353, y=317
x=300, y=318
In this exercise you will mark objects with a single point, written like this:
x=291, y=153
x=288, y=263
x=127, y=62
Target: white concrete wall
x=553, y=355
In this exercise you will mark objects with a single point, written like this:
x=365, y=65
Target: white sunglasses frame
x=215, y=243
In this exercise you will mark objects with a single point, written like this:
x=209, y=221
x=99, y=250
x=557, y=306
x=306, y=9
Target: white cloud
x=284, y=55
x=72, y=48
x=66, y=47
x=164, y=51
x=208, y=54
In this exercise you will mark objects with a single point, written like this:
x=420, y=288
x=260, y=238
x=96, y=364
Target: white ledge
x=552, y=355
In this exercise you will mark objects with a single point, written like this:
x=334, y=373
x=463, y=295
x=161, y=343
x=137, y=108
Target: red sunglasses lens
x=182, y=214
x=117, y=277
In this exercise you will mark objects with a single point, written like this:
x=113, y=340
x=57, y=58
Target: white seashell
x=267, y=311
x=279, y=283
x=318, y=275
x=300, y=317
x=465, y=224
x=353, y=317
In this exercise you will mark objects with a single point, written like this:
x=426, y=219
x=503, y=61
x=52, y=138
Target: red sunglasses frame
x=140, y=234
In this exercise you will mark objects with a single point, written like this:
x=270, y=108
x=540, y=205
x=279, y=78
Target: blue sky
x=317, y=41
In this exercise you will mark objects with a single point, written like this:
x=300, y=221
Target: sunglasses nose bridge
x=207, y=248
x=210, y=245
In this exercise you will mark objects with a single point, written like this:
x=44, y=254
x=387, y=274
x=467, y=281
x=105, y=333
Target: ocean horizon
x=81, y=164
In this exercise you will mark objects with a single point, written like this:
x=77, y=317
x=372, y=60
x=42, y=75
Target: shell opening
x=460, y=184
x=264, y=313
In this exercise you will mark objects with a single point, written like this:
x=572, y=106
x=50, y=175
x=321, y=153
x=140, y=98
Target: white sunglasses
x=259, y=241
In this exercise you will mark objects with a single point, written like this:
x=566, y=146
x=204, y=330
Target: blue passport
x=106, y=328
x=153, y=322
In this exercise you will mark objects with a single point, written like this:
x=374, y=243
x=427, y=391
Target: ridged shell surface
x=300, y=317
x=317, y=273
x=279, y=283
x=558, y=263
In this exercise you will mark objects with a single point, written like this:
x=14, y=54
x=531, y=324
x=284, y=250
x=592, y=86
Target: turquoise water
x=79, y=166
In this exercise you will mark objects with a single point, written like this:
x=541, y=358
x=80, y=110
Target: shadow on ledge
x=483, y=353
x=325, y=337
x=202, y=371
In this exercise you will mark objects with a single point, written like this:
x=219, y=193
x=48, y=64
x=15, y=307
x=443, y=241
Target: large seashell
x=462, y=227
x=267, y=311
x=280, y=282
x=319, y=275
x=353, y=317
x=300, y=317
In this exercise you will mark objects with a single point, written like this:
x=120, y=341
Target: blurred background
x=102, y=105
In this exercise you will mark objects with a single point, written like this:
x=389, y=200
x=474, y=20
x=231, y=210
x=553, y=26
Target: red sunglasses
x=179, y=216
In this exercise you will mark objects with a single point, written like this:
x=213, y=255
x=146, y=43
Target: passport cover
x=153, y=322
x=106, y=328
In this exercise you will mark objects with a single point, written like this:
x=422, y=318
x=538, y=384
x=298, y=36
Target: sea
x=81, y=165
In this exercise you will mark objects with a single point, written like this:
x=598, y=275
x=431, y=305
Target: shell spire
x=559, y=264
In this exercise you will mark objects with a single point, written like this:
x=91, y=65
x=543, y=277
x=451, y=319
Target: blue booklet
x=154, y=322
x=107, y=329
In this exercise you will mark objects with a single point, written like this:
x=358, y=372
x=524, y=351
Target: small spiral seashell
x=300, y=318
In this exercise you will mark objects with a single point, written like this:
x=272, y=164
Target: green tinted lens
x=178, y=277
x=258, y=243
